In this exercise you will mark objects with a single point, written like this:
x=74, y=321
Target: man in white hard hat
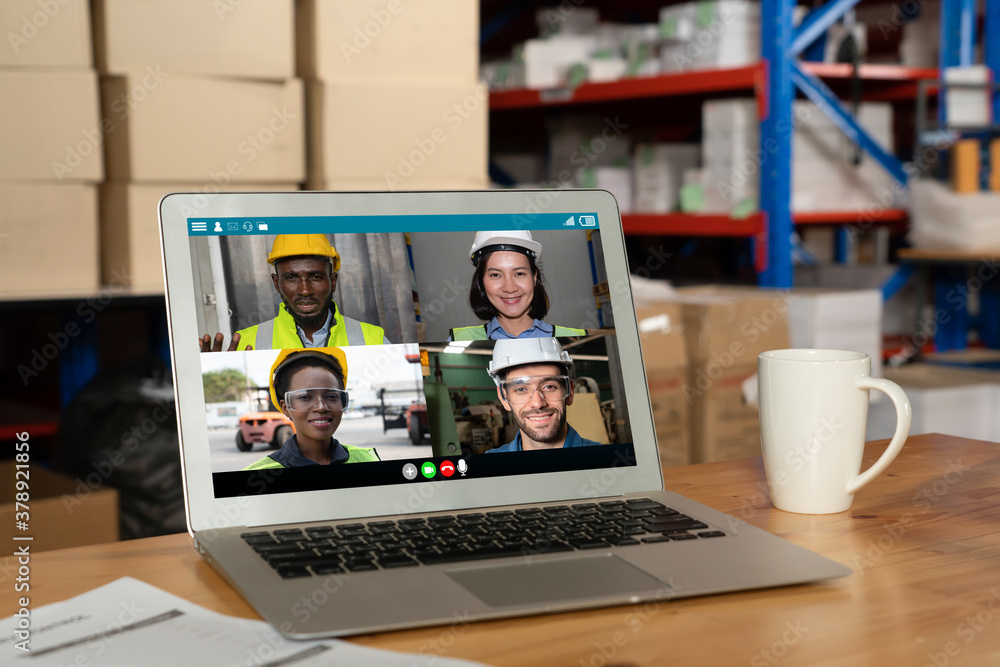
x=534, y=379
x=305, y=276
x=508, y=290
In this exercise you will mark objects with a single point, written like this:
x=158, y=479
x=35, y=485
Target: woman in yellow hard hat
x=308, y=387
x=508, y=290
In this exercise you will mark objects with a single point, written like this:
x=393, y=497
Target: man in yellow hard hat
x=305, y=276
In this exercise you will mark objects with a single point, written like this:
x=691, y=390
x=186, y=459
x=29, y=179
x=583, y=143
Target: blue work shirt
x=573, y=439
x=538, y=329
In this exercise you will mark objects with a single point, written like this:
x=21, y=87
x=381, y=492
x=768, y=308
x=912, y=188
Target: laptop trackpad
x=554, y=580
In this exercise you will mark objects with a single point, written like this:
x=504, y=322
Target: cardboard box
x=50, y=128
x=674, y=447
x=724, y=331
x=726, y=327
x=52, y=34
x=388, y=41
x=249, y=38
x=392, y=183
x=944, y=400
x=60, y=517
x=167, y=128
x=995, y=165
x=397, y=133
x=723, y=425
x=965, y=166
x=130, y=238
x=664, y=355
x=48, y=239
x=659, y=174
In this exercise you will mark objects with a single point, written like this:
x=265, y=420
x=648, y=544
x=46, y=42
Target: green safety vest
x=478, y=332
x=281, y=333
x=354, y=455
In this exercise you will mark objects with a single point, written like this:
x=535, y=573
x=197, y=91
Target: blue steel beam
x=817, y=23
x=828, y=103
x=776, y=142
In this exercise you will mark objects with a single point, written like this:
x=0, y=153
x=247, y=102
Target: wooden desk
x=923, y=540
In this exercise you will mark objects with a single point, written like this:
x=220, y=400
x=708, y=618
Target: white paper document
x=128, y=623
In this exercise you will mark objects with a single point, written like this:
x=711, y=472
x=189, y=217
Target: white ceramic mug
x=813, y=414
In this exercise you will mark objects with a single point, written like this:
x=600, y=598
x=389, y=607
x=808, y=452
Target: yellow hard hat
x=285, y=355
x=296, y=245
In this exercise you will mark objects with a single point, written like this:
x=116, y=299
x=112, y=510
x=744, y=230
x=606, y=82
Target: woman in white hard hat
x=310, y=384
x=508, y=290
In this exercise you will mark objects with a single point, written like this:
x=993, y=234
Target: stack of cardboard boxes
x=50, y=149
x=700, y=348
x=394, y=101
x=197, y=96
x=664, y=354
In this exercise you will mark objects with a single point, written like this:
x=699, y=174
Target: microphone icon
x=463, y=467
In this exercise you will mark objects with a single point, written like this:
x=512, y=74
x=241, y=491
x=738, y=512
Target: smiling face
x=509, y=285
x=313, y=427
x=306, y=286
x=542, y=422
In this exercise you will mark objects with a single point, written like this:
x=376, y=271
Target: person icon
x=218, y=226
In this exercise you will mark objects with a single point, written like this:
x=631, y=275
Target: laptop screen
x=363, y=351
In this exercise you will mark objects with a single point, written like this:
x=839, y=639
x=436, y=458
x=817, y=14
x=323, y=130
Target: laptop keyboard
x=355, y=547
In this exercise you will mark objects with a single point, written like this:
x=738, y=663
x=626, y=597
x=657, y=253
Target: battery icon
x=587, y=221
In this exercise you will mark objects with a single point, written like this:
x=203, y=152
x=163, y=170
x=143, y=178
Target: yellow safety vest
x=478, y=332
x=354, y=455
x=281, y=333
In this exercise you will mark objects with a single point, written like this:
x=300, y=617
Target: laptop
x=462, y=511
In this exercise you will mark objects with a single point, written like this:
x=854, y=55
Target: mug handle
x=904, y=415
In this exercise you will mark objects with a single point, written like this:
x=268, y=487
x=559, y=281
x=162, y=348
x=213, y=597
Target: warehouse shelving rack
x=774, y=81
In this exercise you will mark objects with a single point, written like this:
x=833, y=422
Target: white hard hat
x=516, y=241
x=508, y=353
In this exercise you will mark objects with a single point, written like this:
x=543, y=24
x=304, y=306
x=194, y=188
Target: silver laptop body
x=405, y=266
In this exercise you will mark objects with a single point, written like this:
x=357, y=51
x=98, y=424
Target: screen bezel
x=206, y=512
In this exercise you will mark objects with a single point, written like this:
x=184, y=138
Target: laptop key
x=668, y=526
x=396, y=561
x=476, y=554
x=680, y=537
x=712, y=533
x=656, y=538
x=328, y=569
x=622, y=541
x=360, y=565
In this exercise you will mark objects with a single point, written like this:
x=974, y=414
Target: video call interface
x=478, y=346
